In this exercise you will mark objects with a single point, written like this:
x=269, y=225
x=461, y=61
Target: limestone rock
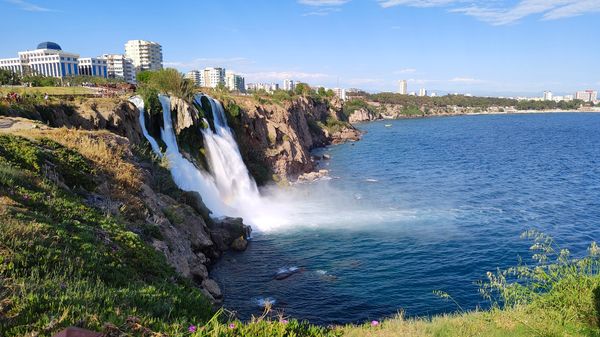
x=213, y=288
x=362, y=115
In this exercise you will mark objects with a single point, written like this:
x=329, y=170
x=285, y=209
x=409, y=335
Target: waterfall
x=231, y=176
x=227, y=188
x=139, y=103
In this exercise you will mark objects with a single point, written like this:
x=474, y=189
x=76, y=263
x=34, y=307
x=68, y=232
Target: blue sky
x=493, y=47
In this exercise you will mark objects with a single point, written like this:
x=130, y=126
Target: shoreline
x=512, y=112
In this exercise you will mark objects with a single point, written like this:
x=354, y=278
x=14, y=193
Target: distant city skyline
x=500, y=48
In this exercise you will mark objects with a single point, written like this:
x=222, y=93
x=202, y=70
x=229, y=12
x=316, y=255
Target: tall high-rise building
x=195, y=76
x=422, y=92
x=212, y=77
x=547, y=95
x=146, y=55
x=234, y=82
x=120, y=67
x=403, y=87
x=289, y=85
x=587, y=95
x=48, y=59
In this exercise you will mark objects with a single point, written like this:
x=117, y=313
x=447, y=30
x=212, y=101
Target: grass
x=51, y=91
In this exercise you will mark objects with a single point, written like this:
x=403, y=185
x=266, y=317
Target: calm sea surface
x=435, y=204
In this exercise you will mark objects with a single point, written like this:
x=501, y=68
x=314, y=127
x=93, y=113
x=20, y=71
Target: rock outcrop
x=279, y=137
x=362, y=115
x=112, y=114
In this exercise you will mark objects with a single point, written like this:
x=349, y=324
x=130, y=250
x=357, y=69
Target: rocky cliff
x=277, y=137
x=363, y=115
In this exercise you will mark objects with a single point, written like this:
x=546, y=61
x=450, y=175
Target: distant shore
x=510, y=112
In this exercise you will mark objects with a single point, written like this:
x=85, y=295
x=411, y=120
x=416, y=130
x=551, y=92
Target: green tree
x=302, y=89
x=8, y=77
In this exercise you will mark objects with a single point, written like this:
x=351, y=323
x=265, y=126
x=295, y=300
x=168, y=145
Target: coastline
x=512, y=112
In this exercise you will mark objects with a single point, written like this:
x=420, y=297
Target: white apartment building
x=268, y=87
x=422, y=92
x=120, y=67
x=195, y=76
x=212, y=77
x=92, y=66
x=146, y=55
x=547, y=95
x=587, y=95
x=340, y=93
x=234, y=82
x=289, y=85
x=403, y=87
x=47, y=60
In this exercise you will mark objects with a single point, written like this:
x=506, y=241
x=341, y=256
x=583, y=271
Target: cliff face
x=115, y=115
x=362, y=115
x=280, y=136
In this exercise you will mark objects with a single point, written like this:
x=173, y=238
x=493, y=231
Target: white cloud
x=200, y=63
x=322, y=11
x=27, y=6
x=323, y=2
x=405, y=71
x=414, y=3
x=281, y=75
x=465, y=80
x=363, y=81
x=323, y=7
x=503, y=13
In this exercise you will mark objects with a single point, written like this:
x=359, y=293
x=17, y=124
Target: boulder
x=240, y=244
x=213, y=288
x=226, y=230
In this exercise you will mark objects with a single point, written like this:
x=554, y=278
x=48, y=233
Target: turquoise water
x=424, y=205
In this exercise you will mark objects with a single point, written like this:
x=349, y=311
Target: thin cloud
x=200, y=63
x=320, y=3
x=405, y=71
x=503, y=13
x=27, y=6
x=323, y=7
x=322, y=11
x=465, y=80
x=282, y=75
x=415, y=3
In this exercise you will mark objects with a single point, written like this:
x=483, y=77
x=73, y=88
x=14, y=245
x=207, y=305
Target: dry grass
x=110, y=154
x=52, y=91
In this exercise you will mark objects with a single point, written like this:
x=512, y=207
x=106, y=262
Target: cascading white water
x=225, y=161
x=139, y=103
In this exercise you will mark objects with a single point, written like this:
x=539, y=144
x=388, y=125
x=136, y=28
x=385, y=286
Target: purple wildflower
x=192, y=328
x=374, y=323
